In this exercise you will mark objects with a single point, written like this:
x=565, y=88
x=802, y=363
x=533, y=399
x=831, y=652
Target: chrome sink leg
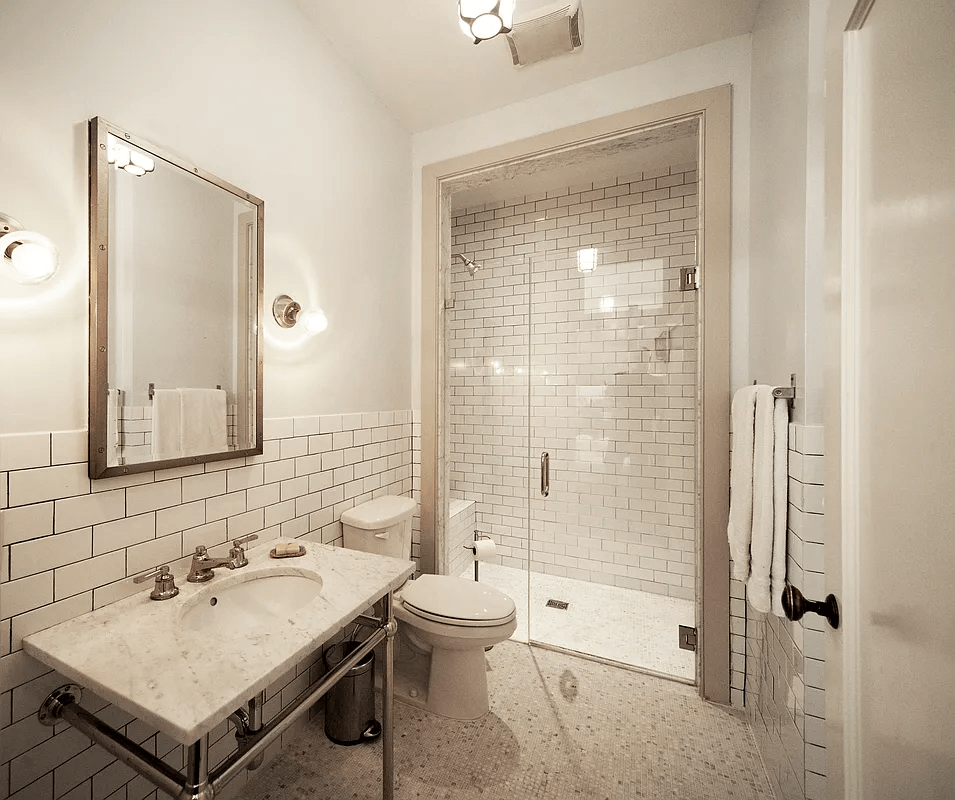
x=388, y=701
x=197, y=786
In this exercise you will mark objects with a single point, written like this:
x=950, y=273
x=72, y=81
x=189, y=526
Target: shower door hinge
x=448, y=303
x=687, y=638
x=688, y=280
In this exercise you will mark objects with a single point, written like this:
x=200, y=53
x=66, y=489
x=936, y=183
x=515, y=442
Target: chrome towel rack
x=152, y=389
x=786, y=392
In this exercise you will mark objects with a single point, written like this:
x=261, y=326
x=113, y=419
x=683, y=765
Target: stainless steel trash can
x=350, y=703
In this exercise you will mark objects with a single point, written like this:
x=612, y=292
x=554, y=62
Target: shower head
x=469, y=265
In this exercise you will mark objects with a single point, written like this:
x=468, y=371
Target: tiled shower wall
x=777, y=665
x=70, y=545
x=609, y=358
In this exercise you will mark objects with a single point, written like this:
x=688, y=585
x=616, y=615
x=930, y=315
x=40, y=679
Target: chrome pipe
x=231, y=767
x=256, y=704
x=196, y=785
x=247, y=723
x=388, y=700
x=62, y=705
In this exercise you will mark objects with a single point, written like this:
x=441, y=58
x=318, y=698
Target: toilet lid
x=457, y=601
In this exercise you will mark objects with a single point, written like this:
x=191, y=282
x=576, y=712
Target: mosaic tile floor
x=639, y=629
x=560, y=728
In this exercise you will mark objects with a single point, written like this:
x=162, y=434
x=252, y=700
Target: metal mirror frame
x=98, y=434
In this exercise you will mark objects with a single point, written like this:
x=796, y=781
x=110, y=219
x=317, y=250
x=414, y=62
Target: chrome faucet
x=201, y=569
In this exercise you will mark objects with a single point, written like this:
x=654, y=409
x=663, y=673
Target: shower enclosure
x=571, y=367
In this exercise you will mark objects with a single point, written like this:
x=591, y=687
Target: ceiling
x=418, y=62
x=618, y=158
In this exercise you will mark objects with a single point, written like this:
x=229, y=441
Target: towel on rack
x=166, y=428
x=770, y=492
x=760, y=492
x=740, y=529
x=203, y=421
x=114, y=401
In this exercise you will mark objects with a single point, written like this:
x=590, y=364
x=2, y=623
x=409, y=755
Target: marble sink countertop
x=135, y=653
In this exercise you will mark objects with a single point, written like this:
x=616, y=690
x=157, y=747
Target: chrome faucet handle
x=165, y=587
x=237, y=553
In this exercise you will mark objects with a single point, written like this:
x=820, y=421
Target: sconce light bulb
x=34, y=261
x=32, y=256
x=315, y=321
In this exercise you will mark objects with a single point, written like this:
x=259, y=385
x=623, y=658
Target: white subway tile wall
x=69, y=545
x=608, y=359
x=461, y=534
x=778, y=667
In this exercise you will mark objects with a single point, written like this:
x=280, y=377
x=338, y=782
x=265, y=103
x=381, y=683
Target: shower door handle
x=545, y=474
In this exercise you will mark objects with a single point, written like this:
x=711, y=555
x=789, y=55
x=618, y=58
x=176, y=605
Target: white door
x=898, y=406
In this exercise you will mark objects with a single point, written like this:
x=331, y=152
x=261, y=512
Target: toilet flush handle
x=383, y=535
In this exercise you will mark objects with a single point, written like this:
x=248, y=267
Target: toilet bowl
x=444, y=623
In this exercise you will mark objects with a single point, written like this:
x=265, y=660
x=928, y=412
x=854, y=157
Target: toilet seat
x=453, y=601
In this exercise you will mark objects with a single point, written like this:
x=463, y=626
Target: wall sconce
x=27, y=256
x=287, y=312
x=485, y=19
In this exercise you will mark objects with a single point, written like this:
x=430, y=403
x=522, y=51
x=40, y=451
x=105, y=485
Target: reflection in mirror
x=175, y=305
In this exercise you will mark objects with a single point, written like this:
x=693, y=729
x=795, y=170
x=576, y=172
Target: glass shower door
x=611, y=456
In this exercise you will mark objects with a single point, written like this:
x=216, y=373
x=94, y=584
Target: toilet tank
x=382, y=526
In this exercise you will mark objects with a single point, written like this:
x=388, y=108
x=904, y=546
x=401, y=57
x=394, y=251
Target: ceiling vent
x=553, y=31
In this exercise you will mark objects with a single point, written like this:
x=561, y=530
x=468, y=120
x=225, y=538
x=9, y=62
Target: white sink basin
x=235, y=604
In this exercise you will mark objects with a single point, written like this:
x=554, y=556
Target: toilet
x=444, y=623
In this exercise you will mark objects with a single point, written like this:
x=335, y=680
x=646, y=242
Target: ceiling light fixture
x=27, y=256
x=485, y=19
x=132, y=161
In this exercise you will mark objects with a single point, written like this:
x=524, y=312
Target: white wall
x=786, y=333
x=242, y=89
x=716, y=64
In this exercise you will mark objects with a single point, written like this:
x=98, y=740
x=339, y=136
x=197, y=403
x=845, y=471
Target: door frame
x=842, y=443
x=712, y=108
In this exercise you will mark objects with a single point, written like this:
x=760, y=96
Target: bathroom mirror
x=175, y=310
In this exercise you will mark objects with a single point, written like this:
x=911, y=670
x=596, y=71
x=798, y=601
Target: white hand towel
x=203, y=421
x=770, y=500
x=114, y=401
x=166, y=430
x=780, y=504
x=740, y=528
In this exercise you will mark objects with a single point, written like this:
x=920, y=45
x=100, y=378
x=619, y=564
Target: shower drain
x=561, y=604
